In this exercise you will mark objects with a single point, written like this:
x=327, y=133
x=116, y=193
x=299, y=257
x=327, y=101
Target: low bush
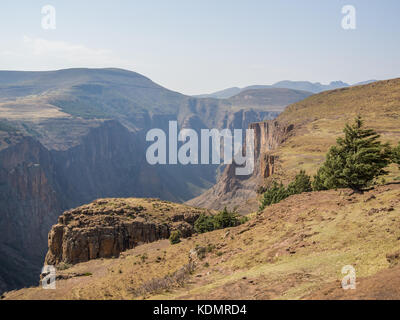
x=224, y=219
x=175, y=237
x=278, y=192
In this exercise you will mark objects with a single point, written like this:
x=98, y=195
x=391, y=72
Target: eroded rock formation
x=107, y=227
x=232, y=190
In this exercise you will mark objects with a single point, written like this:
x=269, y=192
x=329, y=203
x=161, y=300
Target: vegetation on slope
x=355, y=162
x=288, y=251
x=223, y=219
x=278, y=192
x=319, y=120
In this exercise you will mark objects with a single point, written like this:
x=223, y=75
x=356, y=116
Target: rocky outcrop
x=105, y=240
x=268, y=135
x=107, y=227
x=232, y=190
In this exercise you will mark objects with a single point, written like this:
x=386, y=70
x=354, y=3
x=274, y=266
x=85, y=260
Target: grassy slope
x=320, y=119
x=88, y=93
x=289, y=251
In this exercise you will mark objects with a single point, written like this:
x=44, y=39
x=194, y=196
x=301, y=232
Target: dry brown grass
x=289, y=251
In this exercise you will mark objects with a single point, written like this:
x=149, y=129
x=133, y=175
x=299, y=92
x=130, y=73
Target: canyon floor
x=292, y=250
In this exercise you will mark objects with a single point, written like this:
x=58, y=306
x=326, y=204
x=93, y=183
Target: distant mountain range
x=315, y=87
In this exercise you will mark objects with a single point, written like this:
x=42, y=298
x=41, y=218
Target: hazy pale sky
x=202, y=46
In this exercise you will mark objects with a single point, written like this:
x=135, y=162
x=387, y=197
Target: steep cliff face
x=104, y=163
x=267, y=137
x=107, y=227
x=37, y=184
x=232, y=190
x=30, y=201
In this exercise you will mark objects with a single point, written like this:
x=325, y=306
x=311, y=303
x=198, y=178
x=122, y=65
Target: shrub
x=357, y=160
x=143, y=257
x=243, y=219
x=273, y=195
x=175, y=237
x=204, y=224
x=210, y=247
x=224, y=219
x=396, y=155
x=301, y=183
x=277, y=193
x=201, y=252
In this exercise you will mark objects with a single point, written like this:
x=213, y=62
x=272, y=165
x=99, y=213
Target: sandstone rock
x=104, y=230
x=233, y=190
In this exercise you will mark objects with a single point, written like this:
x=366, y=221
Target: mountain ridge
x=315, y=87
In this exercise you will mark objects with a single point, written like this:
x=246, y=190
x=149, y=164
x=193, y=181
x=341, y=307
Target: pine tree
x=204, y=224
x=225, y=219
x=356, y=160
x=273, y=195
x=301, y=183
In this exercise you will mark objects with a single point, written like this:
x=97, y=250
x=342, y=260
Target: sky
x=201, y=46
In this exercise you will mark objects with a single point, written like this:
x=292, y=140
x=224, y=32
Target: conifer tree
x=273, y=195
x=355, y=162
x=301, y=183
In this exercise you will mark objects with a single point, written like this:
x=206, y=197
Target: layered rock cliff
x=107, y=227
x=232, y=190
x=31, y=200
